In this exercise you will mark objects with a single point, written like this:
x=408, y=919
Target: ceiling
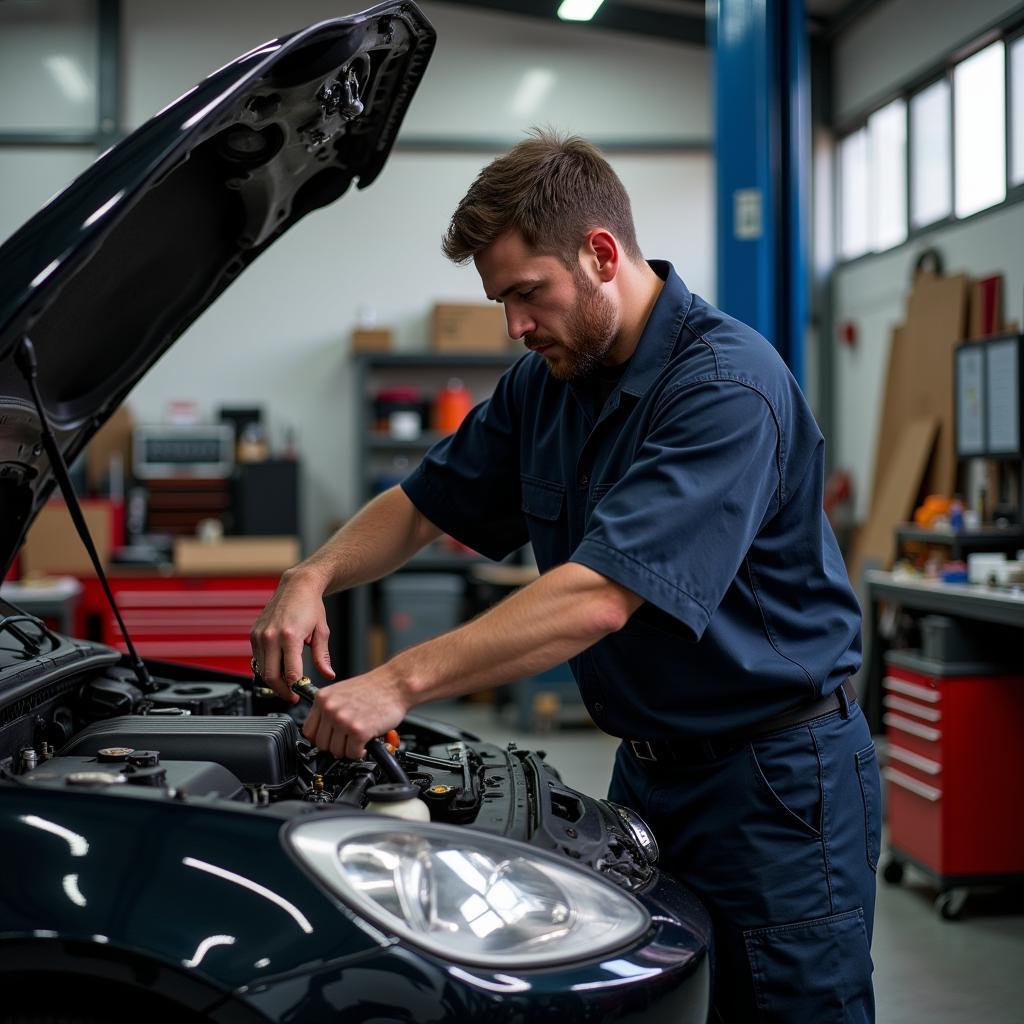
x=680, y=20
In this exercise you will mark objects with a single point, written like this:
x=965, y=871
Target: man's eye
x=527, y=293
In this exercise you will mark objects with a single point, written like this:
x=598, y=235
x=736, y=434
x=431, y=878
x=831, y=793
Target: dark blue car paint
x=153, y=877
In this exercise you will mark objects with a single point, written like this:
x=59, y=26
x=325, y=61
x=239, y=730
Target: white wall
x=890, y=44
x=279, y=336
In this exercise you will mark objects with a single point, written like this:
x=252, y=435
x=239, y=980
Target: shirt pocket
x=542, y=498
x=543, y=504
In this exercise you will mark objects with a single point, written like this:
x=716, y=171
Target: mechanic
x=667, y=470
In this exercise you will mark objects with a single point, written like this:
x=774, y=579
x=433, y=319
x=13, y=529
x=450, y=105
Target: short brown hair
x=553, y=191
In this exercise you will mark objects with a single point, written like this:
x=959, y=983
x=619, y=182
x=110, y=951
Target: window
x=853, y=191
x=979, y=118
x=887, y=195
x=931, y=187
x=49, y=55
x=1017, y=112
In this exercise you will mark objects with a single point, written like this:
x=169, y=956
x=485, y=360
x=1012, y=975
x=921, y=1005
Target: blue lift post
x=762, y=156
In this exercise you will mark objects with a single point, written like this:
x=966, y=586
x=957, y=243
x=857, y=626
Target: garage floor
x=927, y=971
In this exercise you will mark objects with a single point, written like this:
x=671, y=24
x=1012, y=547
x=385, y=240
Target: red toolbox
x=198, y=620
x=955, y=796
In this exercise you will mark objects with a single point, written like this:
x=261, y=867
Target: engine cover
x=258, y=750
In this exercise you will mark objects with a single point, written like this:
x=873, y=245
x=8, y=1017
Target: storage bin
x=947, y=640
x=419, y=606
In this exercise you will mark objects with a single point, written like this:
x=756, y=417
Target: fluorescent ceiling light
x=578, y=10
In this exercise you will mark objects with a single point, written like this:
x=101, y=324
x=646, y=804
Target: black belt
x=696, y=751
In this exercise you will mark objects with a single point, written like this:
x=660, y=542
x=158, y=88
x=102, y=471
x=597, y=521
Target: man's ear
x=600, y=253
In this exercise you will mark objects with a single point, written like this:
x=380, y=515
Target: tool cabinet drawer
x=954, y=778
x=202, y=621
x=920, y=737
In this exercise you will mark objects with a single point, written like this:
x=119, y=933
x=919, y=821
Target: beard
x=590, y=330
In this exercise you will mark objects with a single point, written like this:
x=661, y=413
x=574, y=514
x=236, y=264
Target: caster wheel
x=950, y=905
x=893, y=872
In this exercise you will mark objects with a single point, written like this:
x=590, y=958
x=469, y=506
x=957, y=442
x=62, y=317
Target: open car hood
x=116, y=267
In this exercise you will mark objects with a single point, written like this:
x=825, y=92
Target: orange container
x=452, y=406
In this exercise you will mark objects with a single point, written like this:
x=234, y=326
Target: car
x=171, y=847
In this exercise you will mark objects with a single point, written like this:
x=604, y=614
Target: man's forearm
x=379, y=539
x=542, y=625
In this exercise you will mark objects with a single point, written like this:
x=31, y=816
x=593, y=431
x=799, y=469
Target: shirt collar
x=658, y=340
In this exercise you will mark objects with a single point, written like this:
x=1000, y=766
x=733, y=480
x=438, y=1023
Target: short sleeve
x=676, y=527
x=468, y=484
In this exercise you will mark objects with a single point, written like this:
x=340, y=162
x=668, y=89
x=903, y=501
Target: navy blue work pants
x=780, y=839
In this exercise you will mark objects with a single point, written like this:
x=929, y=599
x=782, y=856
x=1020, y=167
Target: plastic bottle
x=956, y=515
x=452, y=406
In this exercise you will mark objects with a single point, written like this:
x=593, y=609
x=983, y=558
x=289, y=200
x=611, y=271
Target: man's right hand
x=294, y=617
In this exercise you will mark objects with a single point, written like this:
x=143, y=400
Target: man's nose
x=518, y=322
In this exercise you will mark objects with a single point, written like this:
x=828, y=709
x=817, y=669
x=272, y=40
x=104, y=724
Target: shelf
x=985, y=535
x=383, y=443
x=967, y=600
x=425, y=360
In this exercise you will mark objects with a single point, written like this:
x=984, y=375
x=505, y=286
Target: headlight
x=638, y=829
x=468, y=897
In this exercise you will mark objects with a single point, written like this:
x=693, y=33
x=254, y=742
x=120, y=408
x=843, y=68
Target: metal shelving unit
x=428, y=371
x=963, y=542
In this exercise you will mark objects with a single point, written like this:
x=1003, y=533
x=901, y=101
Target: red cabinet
x=955, y=771
x=201, y=620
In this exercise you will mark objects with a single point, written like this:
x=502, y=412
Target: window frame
x=1010, y=31
x=1014, y=193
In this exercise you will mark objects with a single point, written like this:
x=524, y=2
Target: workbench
x=957, y=600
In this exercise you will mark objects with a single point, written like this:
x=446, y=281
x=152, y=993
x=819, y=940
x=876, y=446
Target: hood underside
x=114, y=269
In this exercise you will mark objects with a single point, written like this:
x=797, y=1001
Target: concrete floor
x=927, y=971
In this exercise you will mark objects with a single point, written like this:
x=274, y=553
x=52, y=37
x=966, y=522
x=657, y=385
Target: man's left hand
x=347, y=714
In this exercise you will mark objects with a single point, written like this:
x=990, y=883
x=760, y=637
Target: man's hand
x=349, y=713
x=293, y=617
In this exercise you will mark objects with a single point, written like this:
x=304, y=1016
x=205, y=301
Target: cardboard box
x=53, y=546
x=113, y=438
x=371, y=339
x=242, y=555
x=470, y=328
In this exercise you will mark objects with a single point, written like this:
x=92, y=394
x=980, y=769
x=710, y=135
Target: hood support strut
x=25, y=359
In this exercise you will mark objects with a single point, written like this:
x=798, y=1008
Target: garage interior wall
x=883, y=50
x=280, y=335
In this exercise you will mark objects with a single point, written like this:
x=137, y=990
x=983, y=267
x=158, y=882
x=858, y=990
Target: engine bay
x=73, y=714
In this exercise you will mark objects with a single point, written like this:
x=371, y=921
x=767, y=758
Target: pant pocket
x=787, y=776
x=871, y=793
x=816, y=971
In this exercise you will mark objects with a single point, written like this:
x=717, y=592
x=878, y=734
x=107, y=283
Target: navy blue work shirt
x=699, y=488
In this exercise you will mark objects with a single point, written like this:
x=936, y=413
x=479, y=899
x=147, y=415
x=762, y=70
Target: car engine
x=72, y=714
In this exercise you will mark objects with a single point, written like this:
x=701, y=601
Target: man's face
x=557, y=312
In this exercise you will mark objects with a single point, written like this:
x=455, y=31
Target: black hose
x=386, y=761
